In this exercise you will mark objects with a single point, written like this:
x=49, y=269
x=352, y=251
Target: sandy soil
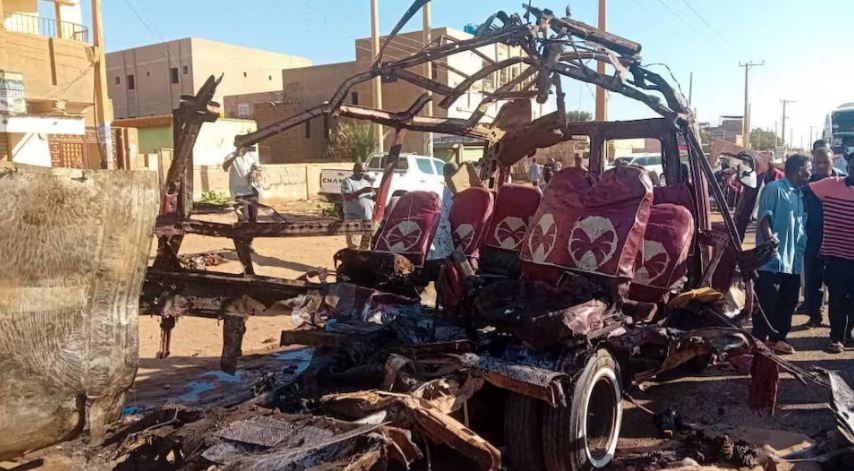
x=714, y=397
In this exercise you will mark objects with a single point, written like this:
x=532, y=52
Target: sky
x=800, y=42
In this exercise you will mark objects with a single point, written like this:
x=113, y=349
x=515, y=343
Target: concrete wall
x=310, y=86
x=53, y=69
x=215, y=141
x=280, y=182
x=245, y=70
x=153, y=93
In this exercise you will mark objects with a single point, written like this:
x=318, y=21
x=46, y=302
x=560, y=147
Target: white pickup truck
x=413, y=172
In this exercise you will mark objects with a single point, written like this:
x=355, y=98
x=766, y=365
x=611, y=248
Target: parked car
x=413, y=172
x=651, y=162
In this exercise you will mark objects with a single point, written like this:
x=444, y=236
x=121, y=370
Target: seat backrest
x=410, y=226
x=666, y=245
x=469, y=217
x=514, y=206
x=598, y=229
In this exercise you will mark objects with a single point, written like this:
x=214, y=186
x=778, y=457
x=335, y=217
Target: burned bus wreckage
x=551, y=307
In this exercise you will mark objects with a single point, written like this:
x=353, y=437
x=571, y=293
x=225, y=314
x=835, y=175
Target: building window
x=185, y=70
x=308, y=129
x=244, y=74
x=173, y=73
x=131, y=83
x=354, y=98
x=326, y=126
x=434, y=70
x=270, y=78
x=118, y=80
x=148, y=73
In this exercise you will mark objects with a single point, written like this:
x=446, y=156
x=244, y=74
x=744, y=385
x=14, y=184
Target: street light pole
x=377, y=82
x=745, y=121
x=103, y=109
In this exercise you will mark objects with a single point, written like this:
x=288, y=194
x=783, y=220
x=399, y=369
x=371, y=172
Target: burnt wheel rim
x=602, y=418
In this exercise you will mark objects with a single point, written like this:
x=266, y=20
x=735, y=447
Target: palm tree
x=352, y=141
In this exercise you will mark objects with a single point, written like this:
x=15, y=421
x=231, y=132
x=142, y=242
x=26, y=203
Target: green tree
x=761, y=139
x=351, y=141
x=578, y=115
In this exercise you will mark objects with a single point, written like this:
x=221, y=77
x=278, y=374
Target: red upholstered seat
x=674, y=194
x=469, y=217
x=514, y=206
x=663, y=261
x=411, y=226
x=595, y=229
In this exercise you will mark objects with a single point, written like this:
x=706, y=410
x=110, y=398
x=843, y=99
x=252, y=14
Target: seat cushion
x=514, y=207
x=663, y=262
x=594, y=229
x=469, y=217
x=411, y=226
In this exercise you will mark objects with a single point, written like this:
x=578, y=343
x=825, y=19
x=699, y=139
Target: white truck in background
x=413, y=172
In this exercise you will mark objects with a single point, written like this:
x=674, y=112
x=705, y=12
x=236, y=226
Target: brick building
x=310, y=86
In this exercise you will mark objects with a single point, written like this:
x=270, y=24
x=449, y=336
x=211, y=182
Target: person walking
x=781, y=218
x=534, y=172
x=813, y=261
x=837, y=249
x=357, y=191
x=244, y=182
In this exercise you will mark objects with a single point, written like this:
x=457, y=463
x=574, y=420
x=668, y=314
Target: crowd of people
x=809, y=212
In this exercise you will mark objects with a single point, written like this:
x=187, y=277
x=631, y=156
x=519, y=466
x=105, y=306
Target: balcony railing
x=31, y=24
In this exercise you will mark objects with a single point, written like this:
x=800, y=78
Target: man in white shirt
x=357, y=191
x=244, y=182
x=534, y=173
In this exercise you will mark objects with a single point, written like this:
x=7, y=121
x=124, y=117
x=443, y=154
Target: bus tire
x=584, y=435
x=523, y=433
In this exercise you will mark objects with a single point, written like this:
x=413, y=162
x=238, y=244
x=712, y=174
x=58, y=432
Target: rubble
x=601, y=284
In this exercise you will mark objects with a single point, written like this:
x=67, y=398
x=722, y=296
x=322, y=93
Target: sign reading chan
x=12, y=93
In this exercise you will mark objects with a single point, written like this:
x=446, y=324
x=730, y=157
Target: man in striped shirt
x=837, y=247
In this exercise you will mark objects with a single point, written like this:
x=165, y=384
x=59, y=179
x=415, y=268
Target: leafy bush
x=352, y=141
x=215, y=197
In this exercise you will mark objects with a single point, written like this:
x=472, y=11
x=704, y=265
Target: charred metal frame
x=554, y=47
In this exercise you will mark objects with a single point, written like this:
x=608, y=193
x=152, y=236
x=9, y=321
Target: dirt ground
x=715, y=397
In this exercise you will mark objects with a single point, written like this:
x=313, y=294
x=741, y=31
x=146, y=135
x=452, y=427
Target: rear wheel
x=523, y=433
x=584, y=435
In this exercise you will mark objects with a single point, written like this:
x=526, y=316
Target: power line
x=708, y=25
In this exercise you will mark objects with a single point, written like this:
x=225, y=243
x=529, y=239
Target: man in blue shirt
x=357, y=192
x=781, y=217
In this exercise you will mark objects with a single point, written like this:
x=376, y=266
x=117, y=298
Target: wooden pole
x=103, y=107
x=601, y=94
x=377, y=81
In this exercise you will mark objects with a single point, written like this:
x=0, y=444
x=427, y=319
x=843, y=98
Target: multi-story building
x=310, y=86
x=47, y=92
x=149, y=80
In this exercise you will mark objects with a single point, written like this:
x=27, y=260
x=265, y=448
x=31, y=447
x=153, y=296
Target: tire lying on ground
x=523, y=433
x=584, y=435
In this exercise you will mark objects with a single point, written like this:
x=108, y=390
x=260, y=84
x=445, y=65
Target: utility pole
x=427, y=38
x=103, y=108
x=745, y=121
x=601, y=94
x=377, y=82
x=783, y=132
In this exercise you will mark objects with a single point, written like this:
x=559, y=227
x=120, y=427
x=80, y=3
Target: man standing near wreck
x=357, y=190
x=781, y=218
x=244, y=182
x=813, y=262
x=837, y=248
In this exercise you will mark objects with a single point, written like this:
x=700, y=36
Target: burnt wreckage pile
x=550, y=307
